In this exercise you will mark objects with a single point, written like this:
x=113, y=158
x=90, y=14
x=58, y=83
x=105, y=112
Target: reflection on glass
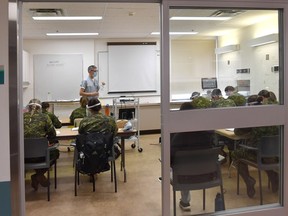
x=241, y=152
x=240, y=58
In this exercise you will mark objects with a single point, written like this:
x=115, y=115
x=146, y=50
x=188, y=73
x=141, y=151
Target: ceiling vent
x=47, y=12
x=226, y=13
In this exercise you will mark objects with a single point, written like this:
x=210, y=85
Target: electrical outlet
x=275, y=68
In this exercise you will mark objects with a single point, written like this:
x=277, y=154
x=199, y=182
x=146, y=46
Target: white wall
x=261, y=76
x=191, y=61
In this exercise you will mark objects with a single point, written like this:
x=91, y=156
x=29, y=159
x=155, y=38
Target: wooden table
x=65, y=133
x=65, y=121
x=229, y=134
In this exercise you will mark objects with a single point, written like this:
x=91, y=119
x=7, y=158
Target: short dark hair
x=91, y=67
x=229, y=88
x=216, y=92
x=264, y=93
x=45, y=105
x=254, y=100
x=94, y=104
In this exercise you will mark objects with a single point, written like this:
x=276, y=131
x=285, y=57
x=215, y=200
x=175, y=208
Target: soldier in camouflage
x=219, y=101
x=38, y=124
x=54, y=119
x=253, y=137
x=268, y=97
x=79, y=112
x=238, y=99
x=97, y=122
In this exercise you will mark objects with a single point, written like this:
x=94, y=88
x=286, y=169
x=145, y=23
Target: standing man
x=90, y=86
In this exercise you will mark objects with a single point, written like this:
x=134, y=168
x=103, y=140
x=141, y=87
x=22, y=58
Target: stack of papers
x=230, y=129
x=75, y=129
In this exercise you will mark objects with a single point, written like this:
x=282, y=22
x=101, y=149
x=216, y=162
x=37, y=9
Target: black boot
x=274, y=179
x=249, y=181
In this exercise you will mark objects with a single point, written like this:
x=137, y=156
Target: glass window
x=224, y=56
x=226, y=161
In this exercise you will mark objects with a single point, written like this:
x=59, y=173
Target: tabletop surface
x=229, y=134
x=68, y=132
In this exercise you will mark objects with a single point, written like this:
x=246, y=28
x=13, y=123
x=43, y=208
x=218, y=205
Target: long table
x=65, y=133
x=229, y=134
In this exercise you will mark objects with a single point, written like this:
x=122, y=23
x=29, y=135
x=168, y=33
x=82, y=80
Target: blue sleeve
x=83, y=84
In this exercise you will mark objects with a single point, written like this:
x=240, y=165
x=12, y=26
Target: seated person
x=219, y=101
x=229, y=90
x=194, y=95
x=79, y=112
x=54, y=119
x=38, y=124
x=232, y=94
x=190, y=141
x=254, y=135
x=268, y=97
x=96, y=121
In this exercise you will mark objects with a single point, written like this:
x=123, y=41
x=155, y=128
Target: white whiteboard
x=58, y=74
x=132, y=68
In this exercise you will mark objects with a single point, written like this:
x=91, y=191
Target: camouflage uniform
x=98, y=123
x=40, y=125
x=222, y=102
x=254, y=135
x=54, y=119
x=78, y=113
x=238, y=99
x=201, y=103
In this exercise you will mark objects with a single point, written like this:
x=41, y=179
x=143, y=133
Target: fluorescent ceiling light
x=267, y=39
x=226, y=49
x=71, y=34
x=67, y=17
x=176, y=33
x=201, y=18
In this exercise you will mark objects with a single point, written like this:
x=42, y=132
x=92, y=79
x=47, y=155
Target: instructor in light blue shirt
x=90, y=86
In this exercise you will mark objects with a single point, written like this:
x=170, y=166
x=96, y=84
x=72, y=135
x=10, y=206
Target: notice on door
x=1, y=74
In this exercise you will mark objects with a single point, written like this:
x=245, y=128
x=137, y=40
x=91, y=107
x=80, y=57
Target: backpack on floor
x=93, y=152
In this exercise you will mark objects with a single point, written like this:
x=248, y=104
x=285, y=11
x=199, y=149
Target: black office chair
x=189, y=165
x=269, y=147
x=87, y=141
x=38, y=148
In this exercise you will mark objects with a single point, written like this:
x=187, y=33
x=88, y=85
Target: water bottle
x=107, y=110
x=219, y=203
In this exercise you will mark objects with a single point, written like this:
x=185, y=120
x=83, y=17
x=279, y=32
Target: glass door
x=223, y=87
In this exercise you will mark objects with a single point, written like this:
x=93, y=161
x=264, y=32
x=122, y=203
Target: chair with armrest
x=195, y=170
x=268, y=147
x=35, y=148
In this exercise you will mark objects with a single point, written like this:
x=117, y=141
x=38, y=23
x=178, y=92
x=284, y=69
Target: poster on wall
x=57, y=76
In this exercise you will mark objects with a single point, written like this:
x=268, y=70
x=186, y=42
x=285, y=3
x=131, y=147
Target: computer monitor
x=209, y=83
